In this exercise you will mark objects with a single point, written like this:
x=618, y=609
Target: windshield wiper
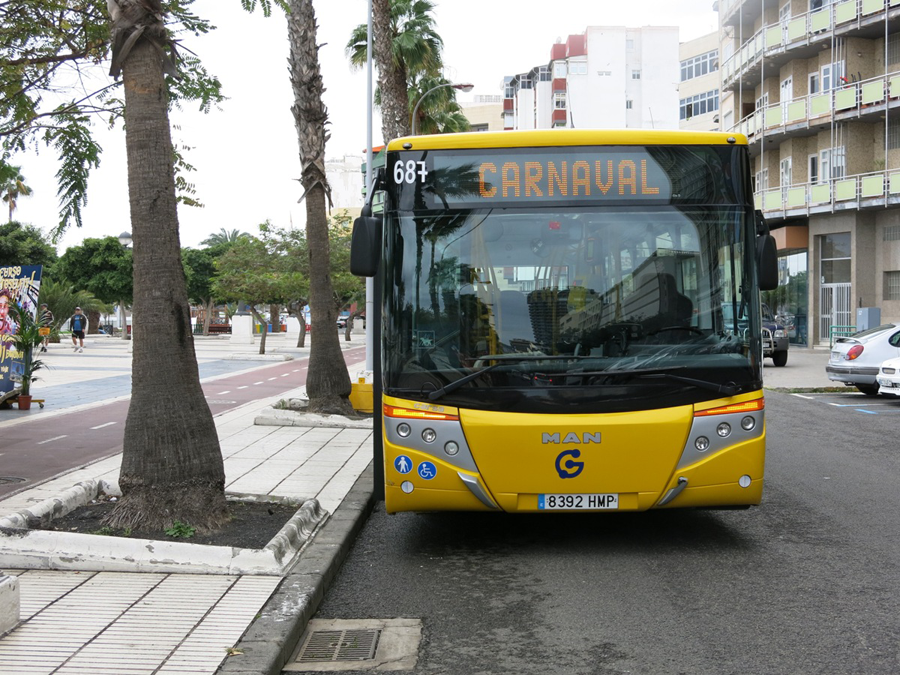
x=500, y=359
x=729, y=389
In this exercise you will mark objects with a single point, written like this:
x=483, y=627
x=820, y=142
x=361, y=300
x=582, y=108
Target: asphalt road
x=44, y=447
x=809, y=582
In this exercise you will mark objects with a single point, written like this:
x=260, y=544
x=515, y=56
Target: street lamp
x=125, y=240
x=461, y=87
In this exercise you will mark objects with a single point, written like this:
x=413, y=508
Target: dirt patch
x=252, y=525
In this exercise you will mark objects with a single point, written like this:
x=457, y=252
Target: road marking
x=227, y=391
x=271, y=378
x=296, y=370
x=55, y=438
x=260, y=382
x=244, y=387
x=108, y=424
x=809, y=398
x=286, y=374
x=868, y=412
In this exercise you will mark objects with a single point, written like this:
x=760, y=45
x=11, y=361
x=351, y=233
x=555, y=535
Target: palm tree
x=172, y=467
x=12, y=183
x=439, y=113
x=406, y=46
x=327, y=381
x=224, y=236
x=62, y=299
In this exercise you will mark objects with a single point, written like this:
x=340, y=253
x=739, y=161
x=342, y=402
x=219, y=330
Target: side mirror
x=365, y=246
x=767, y=262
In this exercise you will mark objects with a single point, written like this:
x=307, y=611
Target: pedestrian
x=46, y=321
x=79, y=323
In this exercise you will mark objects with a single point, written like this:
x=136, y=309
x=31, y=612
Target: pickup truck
x=774, y=337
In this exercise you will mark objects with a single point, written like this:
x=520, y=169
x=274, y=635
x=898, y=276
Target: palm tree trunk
x=391, y=77
x=327, y=380
x=207, y=319
x=172, y=466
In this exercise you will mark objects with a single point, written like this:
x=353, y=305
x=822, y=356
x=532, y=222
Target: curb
x=277, y=417
x=270, y=640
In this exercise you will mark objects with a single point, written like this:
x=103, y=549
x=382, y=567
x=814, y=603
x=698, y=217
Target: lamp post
x=126, y=240
x=461, y=87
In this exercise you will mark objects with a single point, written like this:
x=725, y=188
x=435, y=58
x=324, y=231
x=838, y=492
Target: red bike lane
x=43, y=448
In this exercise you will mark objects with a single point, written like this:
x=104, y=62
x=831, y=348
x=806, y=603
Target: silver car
x=855, y=360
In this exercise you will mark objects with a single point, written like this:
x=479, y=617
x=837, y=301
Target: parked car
x=342, y=322
x=775, y=337
x=889, y=378
x=856, y=360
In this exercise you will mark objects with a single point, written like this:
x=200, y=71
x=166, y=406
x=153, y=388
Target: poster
x=18, y=285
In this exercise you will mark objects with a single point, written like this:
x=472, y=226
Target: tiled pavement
x=131, y=623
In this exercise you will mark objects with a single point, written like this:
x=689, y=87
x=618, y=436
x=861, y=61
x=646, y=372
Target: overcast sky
x=245, y=152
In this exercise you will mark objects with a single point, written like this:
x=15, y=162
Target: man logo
x=571, y=437
x=569, y=468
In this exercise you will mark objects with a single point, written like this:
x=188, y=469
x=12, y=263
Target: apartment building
x=815, y=86
x=484, y=112
x=607, y=77
x=698, y=85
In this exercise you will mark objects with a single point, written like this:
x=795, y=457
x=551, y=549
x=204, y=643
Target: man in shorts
x=46, y=321
x=79, y=323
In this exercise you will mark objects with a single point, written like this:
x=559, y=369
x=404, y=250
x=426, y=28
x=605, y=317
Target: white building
x=698, y=88
x=607, y=77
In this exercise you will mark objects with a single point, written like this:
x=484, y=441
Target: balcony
x=863, y=100
x=877, y=189
x=802, y=36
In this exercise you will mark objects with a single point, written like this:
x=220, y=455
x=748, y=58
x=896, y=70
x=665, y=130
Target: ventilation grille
x=892, y=233
x=339, y=645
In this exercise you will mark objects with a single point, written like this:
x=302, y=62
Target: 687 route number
x=408, y=171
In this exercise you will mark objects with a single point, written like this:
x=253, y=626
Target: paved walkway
x=105, y=622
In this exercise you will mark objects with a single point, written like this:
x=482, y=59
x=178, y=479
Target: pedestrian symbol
x=427, y=470
x=403, y=464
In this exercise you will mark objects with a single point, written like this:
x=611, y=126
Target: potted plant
x=27, y=338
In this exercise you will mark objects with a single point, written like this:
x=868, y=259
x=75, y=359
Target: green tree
x=406, y=47
x=25, y=245
x=42, y=42
x=12, y=184
x=62, y=299
x=439, y=113
x=348, y=289
x=199, y=270
x=224, y=236
x=250, y=271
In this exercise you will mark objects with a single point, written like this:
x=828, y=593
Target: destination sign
x=477, y=179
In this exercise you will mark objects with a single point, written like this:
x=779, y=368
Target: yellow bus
x=568, y=321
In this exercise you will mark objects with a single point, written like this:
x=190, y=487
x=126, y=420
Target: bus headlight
x=701, y=443
x=428, y=435
x=403, y=429
x=451, y=448
x=724, y=429
x=748, y=423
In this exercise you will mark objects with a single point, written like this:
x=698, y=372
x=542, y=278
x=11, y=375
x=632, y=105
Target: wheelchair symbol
x=427, y=470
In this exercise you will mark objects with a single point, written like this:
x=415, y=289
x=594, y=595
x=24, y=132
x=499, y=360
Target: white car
x=856, y=360
x=889, y=378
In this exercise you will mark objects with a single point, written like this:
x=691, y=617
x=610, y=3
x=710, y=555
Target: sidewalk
x=119, y=622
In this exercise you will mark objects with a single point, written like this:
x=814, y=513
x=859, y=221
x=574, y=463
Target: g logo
x=569, y=468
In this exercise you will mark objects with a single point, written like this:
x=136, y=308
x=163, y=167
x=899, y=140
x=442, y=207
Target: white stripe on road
x=810, y=398
x=55, y=438
x=260, y=382
x=272, y=378
x=108, y=424
x=244, y=387
x=286, y=374
x=227, y=391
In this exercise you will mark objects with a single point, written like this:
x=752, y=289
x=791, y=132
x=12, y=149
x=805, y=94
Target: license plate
x=835, y=356
x=887, y=384
x=583, y=502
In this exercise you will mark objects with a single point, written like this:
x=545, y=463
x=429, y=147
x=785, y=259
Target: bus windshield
x=585, y=308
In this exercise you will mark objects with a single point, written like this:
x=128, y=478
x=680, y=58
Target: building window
x=559, y=69
x=478, y=127
x=509, y=91
x=894, y=48
x=698, y=105
x=604, y=73
x=578, y=68
x=892, y=285
x=831, y=75
x=831, y=161
x=635, y=74
x=629, y=45
x=559, y=100
x=762, y=101
x=892, y=233
x=525, y=82
x=813, y=83
x=728, y=121
x=761, y=181
x=700, y=65
x=628, y=104
x=544, y=74
x=813, y=169
x=893, y=133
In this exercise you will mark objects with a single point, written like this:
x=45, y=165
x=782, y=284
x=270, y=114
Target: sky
x=245, y=151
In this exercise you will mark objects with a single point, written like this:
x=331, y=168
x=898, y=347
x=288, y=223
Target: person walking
x=46, y=321
x=79, y=323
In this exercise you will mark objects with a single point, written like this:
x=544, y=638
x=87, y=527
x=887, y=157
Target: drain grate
x=339, y=645
x=6, y=480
